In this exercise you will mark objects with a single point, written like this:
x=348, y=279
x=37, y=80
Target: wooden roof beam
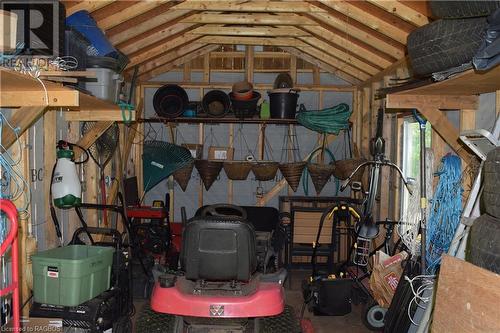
x=182, y=60
x=169, y=57
x=131, y=11
x=147, y=39
x=401, y=10
x=365, y=36
x=345, y=43
x=151, y=26
x=266, y=41
x=324, y=66
x=368, y=19
x=90, y=6
x=251, y=6
x=335, y=62
x=262, y=31
x=340, y=54
x=160, y=48
x=252, y=19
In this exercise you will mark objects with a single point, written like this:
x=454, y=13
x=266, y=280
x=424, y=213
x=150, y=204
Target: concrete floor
x=349, y=323
x=322, y=324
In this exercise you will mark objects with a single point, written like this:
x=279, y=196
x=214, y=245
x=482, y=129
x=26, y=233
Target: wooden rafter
x=324, y=66
x=147, y=40
x=163, y=69
x=340, y=54
x=251, y=6
x=128, y=13
x=90, y=6
x=358, y=35
x=254, y=19
x=21, y=119
x=263, y=31
x=169, y=57
x=401, y=10
x=374, y=22
x=159, y=48
x=267, y=41
x=111, y=9
x=157, y=22
x=345, y=43
x=340, y=65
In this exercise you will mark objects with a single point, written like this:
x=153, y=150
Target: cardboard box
x=220, y=153
x=8, y=31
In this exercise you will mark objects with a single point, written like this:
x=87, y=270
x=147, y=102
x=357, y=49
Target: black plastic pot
x=245, y=108
x=283, y=103
x=170, y=101
x=216, y=103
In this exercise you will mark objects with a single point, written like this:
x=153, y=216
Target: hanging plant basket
x=237, y=170
x=208, y=170
x=265, y=170
x=183, y=175
x=343, y=168
x=320, y=174
x=292, y=173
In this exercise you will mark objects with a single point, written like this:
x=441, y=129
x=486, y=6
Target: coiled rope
x=446, y=209
x=330, y=120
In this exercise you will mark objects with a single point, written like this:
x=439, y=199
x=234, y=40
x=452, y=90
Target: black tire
x=484, y=243
x=444, y=44
x=373, y=316
x=491, y=192
x=286, y=322
x=151, y=321
x=462, y=9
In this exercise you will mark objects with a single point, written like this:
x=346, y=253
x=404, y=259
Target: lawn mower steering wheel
x=224, y=210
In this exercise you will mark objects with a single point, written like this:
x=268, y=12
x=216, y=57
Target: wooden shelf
x=225, y=120
x=464, y=84
x=94, y=109
x=19, y=90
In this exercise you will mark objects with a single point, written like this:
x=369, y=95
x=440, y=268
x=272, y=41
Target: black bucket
x=216, y=103
x=283, y=103
x=245, y=108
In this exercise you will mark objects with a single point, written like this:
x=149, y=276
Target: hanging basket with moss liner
x=265, y=170
x=209, y=171
x=237, y=170
x=182, y=176
x=320, y=173
x=343, y=169
x=292, y=173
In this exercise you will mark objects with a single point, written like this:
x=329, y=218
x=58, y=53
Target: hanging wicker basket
x=265, y=170
x=343, y=169
x=208, y=170
x=292, y=173
x=237, y=170
x=183, y=175
x=195, y=149
x=320, y=174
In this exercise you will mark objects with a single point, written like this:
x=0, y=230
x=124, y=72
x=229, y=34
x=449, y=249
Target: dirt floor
x=349, y=323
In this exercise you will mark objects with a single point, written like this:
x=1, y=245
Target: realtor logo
x=37, y=26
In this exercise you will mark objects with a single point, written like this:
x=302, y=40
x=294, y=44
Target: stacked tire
x=453, y=39
x=484, y=237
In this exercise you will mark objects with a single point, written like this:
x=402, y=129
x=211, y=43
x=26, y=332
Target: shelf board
x=19, y=90
x=94, y=109
x=225, y=120
x=464, y=84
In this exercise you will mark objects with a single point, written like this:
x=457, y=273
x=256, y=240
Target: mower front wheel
x=149, y=321
x=373, y=316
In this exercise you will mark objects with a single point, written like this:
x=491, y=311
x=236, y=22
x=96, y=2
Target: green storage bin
x=71, y=275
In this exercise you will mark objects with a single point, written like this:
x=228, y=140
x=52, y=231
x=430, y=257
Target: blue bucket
x=86, y=25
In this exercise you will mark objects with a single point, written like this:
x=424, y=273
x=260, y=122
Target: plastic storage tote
x=71, y=275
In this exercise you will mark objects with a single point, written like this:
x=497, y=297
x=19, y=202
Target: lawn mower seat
x=218, y=249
